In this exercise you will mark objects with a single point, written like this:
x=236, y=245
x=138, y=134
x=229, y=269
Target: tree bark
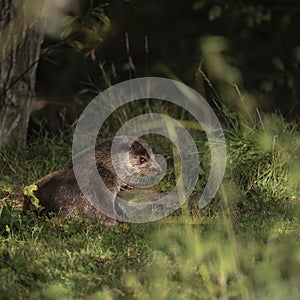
x=20, y=40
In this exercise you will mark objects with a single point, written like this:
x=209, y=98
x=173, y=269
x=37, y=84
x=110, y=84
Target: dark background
x=263, y=39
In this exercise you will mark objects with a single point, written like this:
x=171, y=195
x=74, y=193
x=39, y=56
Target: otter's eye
x=142, y=160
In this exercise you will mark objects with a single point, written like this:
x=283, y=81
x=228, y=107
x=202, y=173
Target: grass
x=244, y=245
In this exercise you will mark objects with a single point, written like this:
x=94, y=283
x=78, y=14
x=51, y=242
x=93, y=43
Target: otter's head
x=143, y=160
x=135, y=162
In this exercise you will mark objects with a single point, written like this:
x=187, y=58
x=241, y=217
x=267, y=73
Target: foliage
x=264, y=47
x=262, y=42
x=85, y=32
x=258, y=41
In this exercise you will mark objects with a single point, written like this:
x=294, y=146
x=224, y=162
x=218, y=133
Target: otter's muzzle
x=156, y=169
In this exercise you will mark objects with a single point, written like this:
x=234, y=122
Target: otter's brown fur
x=59, y=191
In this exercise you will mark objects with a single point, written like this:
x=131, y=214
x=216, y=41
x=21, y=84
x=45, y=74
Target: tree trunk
x=20, y=40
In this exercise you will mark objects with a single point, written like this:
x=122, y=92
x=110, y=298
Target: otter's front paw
x=108, y=221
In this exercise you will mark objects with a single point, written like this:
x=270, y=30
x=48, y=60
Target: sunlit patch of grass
x=261, y=182
x=38, y=252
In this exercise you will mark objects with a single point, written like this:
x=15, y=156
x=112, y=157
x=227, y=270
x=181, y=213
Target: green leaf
x=69, y=20
x=28, y=192
x=297, y=53
x=66, y=32
x=277, y=62
x=76, y=45
x=215, y=12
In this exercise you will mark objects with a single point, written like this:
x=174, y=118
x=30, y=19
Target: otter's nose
x=156, y=170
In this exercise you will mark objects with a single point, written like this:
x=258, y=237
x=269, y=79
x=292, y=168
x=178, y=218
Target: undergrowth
x=244, y=245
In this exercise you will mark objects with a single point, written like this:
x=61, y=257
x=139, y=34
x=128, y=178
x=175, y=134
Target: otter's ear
x=135, y=146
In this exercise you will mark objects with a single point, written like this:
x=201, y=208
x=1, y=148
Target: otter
x=59, y=191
